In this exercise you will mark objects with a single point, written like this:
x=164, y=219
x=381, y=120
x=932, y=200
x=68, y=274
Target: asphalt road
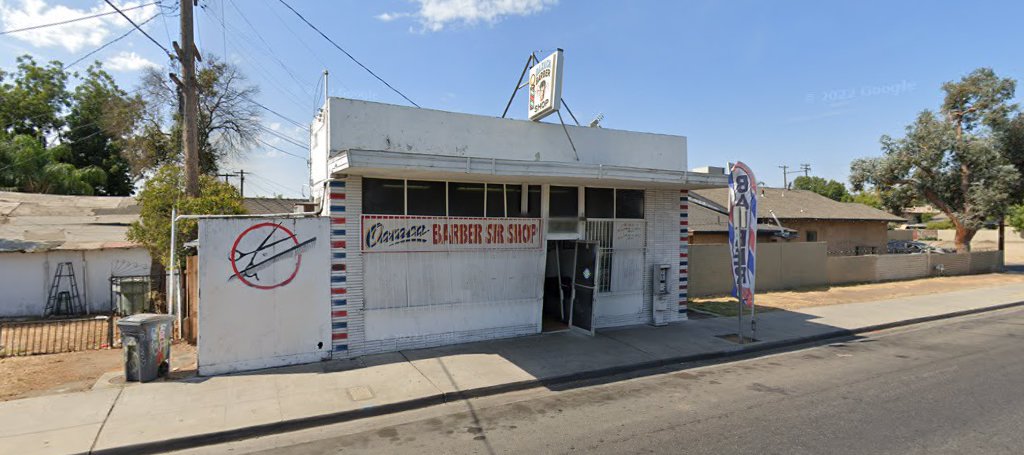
x=952, y=386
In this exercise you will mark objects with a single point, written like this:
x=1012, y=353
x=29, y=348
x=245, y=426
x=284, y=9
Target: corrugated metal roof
x=802, y=204
x=39, y=222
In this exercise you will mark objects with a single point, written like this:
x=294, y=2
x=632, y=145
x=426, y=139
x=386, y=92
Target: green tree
x=956, y=159
x=228, y=122
x=33, y=99
x=868, y=198
x=1015, y=218
x=25, y=165
x=166, y=189
x=829, y=188
x=101, y=115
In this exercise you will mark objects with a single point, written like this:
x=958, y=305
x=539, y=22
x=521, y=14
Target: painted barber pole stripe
x=339, y=280
x=684, y=240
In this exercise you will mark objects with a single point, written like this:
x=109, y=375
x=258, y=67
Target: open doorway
x=558, y=288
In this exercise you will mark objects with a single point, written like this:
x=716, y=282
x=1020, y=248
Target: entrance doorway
x=569, y=290
x=558, y=274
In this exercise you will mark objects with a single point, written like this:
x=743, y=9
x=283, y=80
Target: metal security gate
x=621, y=254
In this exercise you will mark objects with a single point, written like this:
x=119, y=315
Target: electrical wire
x=285, y=138
x=279, y=149
x=336, y=45
x=93, y=16
x=169, y=54
x=261, y=106
x=108, y=43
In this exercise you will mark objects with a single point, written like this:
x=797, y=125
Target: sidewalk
x=197, y=411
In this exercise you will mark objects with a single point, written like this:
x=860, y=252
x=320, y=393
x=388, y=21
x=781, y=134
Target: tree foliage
x=166, y=189
x=959, y=160
x=80, y=133
x=829, y=188
x=228, y=119
x=25, y=165
x=1015, y=218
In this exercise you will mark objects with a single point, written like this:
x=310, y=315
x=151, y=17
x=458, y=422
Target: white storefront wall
x=264, y=293
x=26, y=277
x=403, y=300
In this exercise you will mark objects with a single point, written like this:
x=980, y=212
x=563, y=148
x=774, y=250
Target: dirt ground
x=29, y=376
x=791, y=300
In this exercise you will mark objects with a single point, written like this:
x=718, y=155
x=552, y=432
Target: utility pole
x=241, y=182
x=785, y=176
x=225, y=176
x=806, y=168
x=189, y=135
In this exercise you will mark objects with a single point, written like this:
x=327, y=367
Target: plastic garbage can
x=146, y=342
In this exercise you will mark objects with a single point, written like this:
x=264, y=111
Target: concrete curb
x=218, y=437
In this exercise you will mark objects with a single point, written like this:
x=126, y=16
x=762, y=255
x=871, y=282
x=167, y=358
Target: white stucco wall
x=26, y=277
x=264, y=320
x=362, y=125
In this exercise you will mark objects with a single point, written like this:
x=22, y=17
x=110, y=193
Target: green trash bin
x=146, y=342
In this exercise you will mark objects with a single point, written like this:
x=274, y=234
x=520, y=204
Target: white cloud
x=275, y=126
x=74, y=36
x=129, y=61
x=434, y=15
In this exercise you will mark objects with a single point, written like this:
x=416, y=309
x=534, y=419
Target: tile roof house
x=847, y=227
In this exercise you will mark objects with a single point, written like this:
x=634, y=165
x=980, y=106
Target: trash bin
x=146, y=341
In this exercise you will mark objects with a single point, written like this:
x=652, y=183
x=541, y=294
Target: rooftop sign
x=545, y=87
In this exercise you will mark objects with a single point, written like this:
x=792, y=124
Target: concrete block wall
x=893, y=267
x=952, y=264
x=779, y=266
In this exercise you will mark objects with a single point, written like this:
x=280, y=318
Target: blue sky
x=768, y=83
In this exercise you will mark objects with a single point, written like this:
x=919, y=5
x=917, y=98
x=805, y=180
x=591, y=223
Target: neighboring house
x=709, y=223
x=848, y=228
x=40, y=231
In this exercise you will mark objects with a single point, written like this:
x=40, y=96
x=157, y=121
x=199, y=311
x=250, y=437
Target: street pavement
x=160, y=416
x=951, y=386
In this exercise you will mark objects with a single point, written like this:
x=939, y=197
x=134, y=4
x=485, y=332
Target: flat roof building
x=449, y=227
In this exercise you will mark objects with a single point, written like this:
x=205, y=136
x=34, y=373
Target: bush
x=945, y=224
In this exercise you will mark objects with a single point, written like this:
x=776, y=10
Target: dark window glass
x=629, y=203
x=426, y=198
x=383, y=197
x=465, y=199
x=600, y=203
x=495, y=201
x=564, y=202
x=533, y=201
x=514, y=198
x=812, y=236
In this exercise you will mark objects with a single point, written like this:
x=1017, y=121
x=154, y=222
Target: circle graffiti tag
x=257, y=248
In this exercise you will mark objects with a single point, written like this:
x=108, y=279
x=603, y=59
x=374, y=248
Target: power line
x=108, y=43
x=279, y=149
x=284, y=137
x=293, y=122
x=93, y=16
x=368, y=70
x=169, y=54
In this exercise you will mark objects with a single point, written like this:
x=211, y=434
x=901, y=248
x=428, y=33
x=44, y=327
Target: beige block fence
x=782, y=266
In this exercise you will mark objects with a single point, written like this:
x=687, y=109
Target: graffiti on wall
x=264, y=247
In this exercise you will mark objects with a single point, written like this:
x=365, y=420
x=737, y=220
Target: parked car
x=912, y=247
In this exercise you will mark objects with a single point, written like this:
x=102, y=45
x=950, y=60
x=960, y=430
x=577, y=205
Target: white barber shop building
x=448, y=228
x=440, y=228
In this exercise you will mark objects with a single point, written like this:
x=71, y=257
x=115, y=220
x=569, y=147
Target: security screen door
x=582, y=315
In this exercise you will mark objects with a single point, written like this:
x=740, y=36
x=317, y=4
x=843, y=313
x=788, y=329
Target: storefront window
x=514, y=199
x=495, y=200
x=563, y=202
x=629, y=204
x=426, y=198
x=465, y=199
x=383, y=197
x=599, y=203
